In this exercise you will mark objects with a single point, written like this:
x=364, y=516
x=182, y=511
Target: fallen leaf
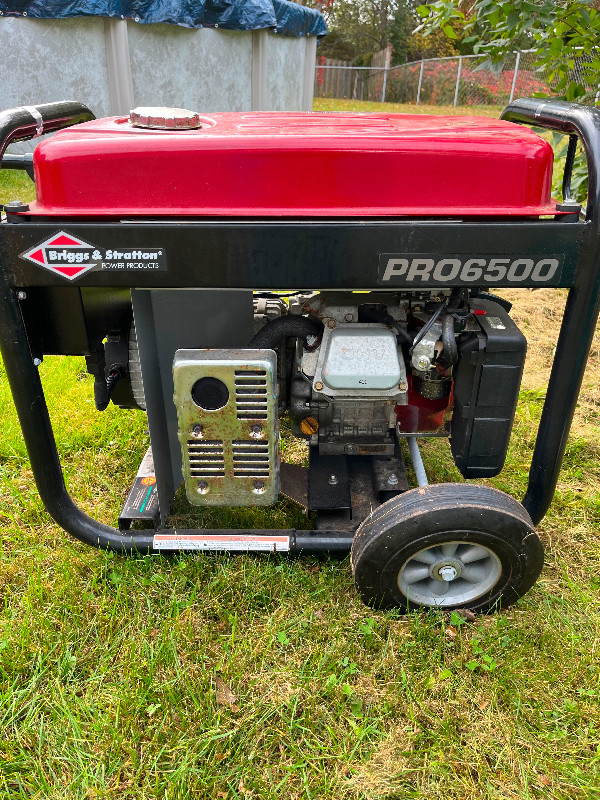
x=466, y=614
x=225, y=697
x=451, y=632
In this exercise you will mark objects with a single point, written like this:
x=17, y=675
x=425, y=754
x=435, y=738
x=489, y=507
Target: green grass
x=250, y=677
x=16, y=185
x=333, y=104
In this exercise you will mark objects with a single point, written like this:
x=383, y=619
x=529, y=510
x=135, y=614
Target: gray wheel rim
x=449, y=574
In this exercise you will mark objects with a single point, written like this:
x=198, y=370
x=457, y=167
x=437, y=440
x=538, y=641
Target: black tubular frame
x=573, y=345
x=582, y=307
x=20, y=124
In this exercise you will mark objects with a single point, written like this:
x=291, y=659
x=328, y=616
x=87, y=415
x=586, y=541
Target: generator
x=335, y=272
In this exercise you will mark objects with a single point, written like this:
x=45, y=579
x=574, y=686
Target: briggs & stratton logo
x=71, y=257
x=65, y=254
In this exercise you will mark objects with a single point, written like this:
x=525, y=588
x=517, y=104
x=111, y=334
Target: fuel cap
x=164, y=119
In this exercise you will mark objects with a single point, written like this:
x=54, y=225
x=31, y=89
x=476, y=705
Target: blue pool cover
x=282, y=16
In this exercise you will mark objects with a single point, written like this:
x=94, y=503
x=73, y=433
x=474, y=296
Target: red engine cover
x=297, y=165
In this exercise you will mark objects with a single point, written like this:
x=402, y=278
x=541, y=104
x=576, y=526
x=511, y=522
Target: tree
x=359, y=28
x=436, y=45
x=565, y=34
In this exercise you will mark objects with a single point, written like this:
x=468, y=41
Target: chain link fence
x=453, y=81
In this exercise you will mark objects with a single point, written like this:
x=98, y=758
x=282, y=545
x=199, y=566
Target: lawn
x=333, y=104
x=248, y=677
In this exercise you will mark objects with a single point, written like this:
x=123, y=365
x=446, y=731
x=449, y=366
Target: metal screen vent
x=229, y=442
x=206, y=459
x=251, y=394
x=250, y=459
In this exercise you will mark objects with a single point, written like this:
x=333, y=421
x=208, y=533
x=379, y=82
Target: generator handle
x=583, y=302
x=570, y=119
x=28, y=122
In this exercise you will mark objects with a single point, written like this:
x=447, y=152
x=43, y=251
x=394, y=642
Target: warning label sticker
x=70, y=257
x=142, y=500
x=241, y=543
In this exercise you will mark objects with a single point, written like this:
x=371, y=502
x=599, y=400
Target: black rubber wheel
x=449, y=546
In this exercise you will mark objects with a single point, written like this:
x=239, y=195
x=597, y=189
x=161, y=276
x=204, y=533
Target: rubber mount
x=448, y=545
x=210, y=394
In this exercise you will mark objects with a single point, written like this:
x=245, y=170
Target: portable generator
x=218, y=271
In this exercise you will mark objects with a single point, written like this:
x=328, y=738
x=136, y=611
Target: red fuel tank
x=296, y=165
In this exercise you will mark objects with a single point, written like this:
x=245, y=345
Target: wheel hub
x=447, y=572
x=452, y=573
x=446, y=569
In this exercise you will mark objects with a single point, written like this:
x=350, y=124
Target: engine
x=350, y=388
x=357, y=371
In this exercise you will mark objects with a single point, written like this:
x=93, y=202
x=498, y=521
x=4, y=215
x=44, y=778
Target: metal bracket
x=142, y=501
